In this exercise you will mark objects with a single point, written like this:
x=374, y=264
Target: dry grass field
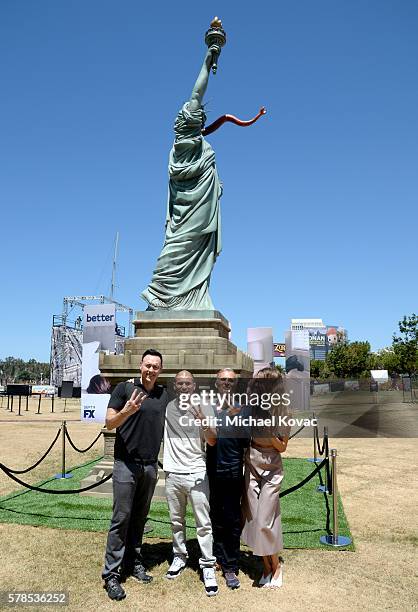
x=377, y=481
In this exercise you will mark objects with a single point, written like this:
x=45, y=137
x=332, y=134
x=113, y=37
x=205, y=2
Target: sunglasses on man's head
x=231, y=380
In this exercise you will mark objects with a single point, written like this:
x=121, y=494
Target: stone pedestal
x=196, y=340
x=105, y=467
x=101, y=469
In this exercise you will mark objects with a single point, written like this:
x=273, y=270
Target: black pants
x=133, y=488
x=225, y=514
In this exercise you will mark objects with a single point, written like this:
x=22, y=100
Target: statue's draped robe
x=193, y=225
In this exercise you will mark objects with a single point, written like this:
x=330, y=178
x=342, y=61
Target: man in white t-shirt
x=184, y=463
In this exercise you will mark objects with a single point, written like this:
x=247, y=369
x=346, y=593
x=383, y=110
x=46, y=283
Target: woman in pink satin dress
x=262, y=530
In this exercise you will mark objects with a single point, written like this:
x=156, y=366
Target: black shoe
x=140, y=574
x=114, y=589
x=232, y=580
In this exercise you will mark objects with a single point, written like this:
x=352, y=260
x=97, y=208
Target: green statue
x=193, y=223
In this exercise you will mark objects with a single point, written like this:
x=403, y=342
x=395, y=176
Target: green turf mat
x=304, y=512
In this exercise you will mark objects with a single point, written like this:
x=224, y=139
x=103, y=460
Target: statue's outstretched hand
x=213, y=52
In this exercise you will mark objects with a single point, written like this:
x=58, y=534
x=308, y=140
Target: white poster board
x=99, y=334
x=380, y=376
x=93, y=407
x=298, y=366
x=260, y=346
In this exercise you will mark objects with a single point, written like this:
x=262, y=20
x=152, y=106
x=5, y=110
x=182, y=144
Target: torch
x=216, y=35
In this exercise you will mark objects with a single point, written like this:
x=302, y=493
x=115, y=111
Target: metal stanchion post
x=11, y=404
x=27, y=403
x=334, y=539
x=39, y=404
x=20, y=403
x=63, y=474
x=323, y=488
x=52, y=403
x=315, y=432
x=8, y=401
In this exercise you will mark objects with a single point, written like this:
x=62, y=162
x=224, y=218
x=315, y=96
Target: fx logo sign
x=89, y=413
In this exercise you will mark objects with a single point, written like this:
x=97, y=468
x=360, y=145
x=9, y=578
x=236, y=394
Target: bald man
x=185, y=437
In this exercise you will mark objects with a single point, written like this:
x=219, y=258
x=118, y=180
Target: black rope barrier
x=296, y=432
x=305, y=480
x=286, y=492
x=12, y=471
x=66, y=492
x=96, y=484
x=54, y=516
x=44, y=482
x=79, y=450
x=317, y=470
x=149, y=518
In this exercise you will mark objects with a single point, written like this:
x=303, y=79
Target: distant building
x=322, y=337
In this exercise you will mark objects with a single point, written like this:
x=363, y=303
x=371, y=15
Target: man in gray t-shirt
x=185, y=434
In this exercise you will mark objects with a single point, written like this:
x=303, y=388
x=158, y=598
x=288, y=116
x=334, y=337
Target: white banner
x=93, y=407
x=298, y=369
x=260, y=346
x=380, y=376
x=47, y=390
x=99, y=327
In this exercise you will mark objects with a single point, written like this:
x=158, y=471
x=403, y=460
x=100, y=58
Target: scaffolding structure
x=67, y=337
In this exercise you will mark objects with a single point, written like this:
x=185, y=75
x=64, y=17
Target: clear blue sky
x=319, y=213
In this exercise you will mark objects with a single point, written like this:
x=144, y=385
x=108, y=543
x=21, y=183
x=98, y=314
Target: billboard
x=335, y=335
x=99, y=327
x=318, y=337
x=279, y=349
x=318, y=344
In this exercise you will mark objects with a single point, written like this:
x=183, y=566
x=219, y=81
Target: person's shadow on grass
x=160, y=552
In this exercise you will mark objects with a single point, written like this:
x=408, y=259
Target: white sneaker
x=209, y=578
x=277, y=582
x=176, y=567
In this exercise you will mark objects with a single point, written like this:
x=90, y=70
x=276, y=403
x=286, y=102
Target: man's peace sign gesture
x=134, y=403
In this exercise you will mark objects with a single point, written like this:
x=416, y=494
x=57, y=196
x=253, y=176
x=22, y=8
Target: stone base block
x=193, y=340
x=105, y=467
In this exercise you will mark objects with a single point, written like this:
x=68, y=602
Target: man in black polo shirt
x=137, y=411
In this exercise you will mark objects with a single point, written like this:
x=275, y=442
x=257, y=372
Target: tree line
x=16, y=370
x=355, y=359
x=345, y=360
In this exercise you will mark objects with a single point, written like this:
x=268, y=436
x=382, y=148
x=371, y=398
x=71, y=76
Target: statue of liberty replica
x=180, y=320
x=193, y=224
